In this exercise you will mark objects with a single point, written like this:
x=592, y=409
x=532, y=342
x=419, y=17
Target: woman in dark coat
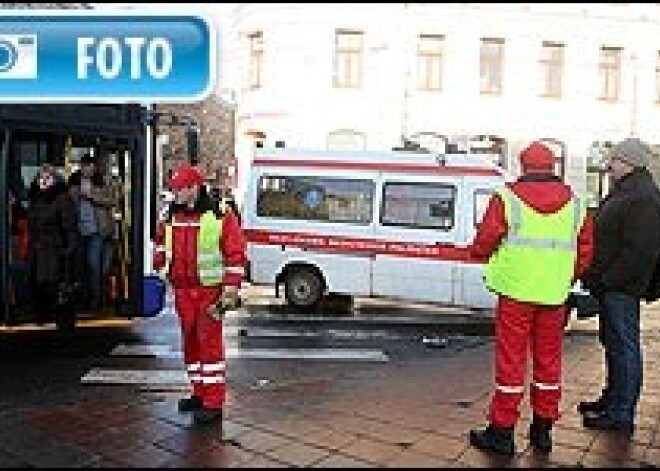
x=52, y=225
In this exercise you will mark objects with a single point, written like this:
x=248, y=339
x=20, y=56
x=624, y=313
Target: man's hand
x=229, y=298
x=215, y=312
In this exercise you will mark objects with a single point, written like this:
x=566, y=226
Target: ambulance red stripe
x=380, y=166
x=332, y=243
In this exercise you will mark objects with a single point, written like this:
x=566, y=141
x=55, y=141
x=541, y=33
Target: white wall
x=298, y=104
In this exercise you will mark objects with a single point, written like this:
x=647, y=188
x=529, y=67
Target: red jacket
x=183, y=271
x=545, y=194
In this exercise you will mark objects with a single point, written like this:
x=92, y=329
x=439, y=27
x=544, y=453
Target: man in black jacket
x=627, y=241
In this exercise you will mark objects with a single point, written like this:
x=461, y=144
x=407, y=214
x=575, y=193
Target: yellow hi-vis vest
x=535, y=262
x=209, y=258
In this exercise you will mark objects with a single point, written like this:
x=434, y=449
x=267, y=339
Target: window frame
x=255, y=77
x=348, y=53
x=426, y=59
x=550, y=65
x=383, y=200
x=360, y=180
x=486, y=63
x=605, y=69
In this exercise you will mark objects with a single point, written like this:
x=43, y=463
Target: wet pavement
x=413, y=409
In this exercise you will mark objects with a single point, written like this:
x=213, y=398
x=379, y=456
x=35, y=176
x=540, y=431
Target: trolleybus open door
x=119, y=136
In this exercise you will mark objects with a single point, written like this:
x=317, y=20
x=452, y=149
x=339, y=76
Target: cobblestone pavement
x=413, y=413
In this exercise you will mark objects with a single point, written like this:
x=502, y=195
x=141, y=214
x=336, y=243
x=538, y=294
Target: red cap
x=185, y=176
x=537, y=156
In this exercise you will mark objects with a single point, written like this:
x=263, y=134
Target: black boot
x=205, y=416
x=595, y=407
x=539, y=434
x=190, y=404
x=497, y=439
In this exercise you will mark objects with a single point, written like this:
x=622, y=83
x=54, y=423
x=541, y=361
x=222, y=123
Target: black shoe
x=596, y=407
x=496, y=439
x=205, y=416
x=539, y=434
x=605, y=422
x=190, y=404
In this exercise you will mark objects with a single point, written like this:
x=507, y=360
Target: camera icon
x=18, y=56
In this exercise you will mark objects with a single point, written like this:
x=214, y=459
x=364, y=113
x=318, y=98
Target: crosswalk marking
x=145, y=377
x=168, y=351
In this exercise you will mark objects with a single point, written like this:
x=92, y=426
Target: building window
x=429, y=62
x=256, y=60
x=348, y=59
x=313, y=198
x=419, y=205
x=610, y=73
x=657, y=78
x=552, y=66
x=346, y=139
x=491, y=66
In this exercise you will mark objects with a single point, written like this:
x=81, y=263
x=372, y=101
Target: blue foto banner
x=85, y=56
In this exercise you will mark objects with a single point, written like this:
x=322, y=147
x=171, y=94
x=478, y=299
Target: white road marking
x=148, y=377
x=168, y=351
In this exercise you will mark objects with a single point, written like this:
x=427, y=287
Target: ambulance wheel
x=303, y=288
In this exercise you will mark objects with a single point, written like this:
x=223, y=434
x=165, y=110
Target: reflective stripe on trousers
x=517, y=325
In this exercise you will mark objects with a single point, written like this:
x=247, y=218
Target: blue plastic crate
x=154, y=295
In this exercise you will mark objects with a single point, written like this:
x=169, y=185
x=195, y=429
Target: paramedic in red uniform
x=203, y=254
x=537, y=240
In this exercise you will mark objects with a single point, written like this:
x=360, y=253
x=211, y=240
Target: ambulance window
x=419, y=205
x=481, y=199
x=316, y=199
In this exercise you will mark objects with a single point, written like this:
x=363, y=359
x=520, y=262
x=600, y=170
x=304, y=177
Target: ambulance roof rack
x=411, y=146
x=417, y=157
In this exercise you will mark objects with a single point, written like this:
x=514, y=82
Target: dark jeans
x=620, y=337
x=97, y=257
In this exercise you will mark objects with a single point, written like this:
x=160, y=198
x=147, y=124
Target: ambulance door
x=475, y=197
x=417, y=215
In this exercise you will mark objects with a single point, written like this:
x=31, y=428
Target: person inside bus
x=18, y=248
x=96, y=226
x=203, y=256
x=53, y=237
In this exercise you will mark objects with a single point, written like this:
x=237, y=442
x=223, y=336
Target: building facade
x=364, y=75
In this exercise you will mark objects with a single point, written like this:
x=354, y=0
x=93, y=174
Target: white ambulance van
x=368, y=223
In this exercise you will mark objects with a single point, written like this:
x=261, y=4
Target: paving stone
x=440, y=446
x=371, y=451
x=258, y=441
x=411, y=459
x=340, y=461
x=298, y=454
x=146, y=456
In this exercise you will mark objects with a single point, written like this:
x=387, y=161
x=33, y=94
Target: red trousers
x=203, y=348
x=516, y=324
